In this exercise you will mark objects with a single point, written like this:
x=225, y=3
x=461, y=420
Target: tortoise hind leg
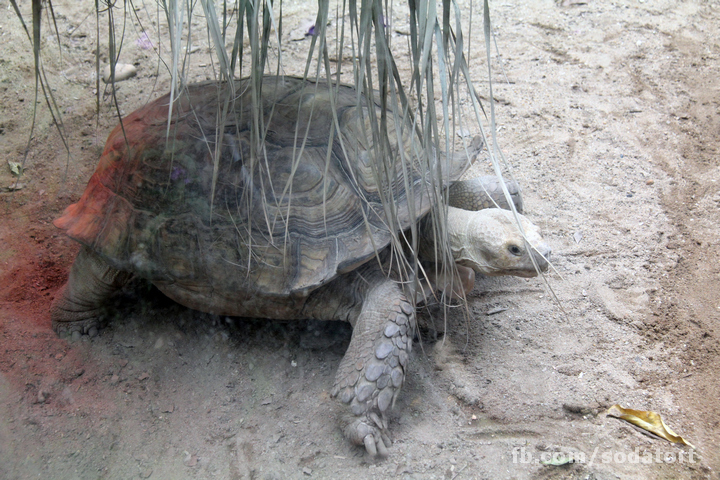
x=78, y=305
x=373, y=369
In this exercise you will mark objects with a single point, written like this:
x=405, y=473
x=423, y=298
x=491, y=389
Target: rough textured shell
x=282, y=221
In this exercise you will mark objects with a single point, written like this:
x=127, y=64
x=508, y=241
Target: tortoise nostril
x=542, y=256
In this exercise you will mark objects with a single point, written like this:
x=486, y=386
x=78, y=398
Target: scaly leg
x=373, y=369
x=78, y=305
x=484, y=192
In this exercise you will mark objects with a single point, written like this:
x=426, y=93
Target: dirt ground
x=610, y=113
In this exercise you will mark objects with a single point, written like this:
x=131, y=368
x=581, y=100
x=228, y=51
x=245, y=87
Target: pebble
x=114, y=380
x=649, y=181
x=190, y=460
x=144, y=376
x=123, y=71
x=464, y=133
x=307, y=471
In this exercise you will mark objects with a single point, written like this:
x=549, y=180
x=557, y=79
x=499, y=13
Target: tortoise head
x=489, y=241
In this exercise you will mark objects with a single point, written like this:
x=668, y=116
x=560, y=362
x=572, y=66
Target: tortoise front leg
x=483, y=192
x=78, y=305
x=373, y=369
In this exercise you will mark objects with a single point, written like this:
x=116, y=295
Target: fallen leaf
x=649, y=421
x=15, y=167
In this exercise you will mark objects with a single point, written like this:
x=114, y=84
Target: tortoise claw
x=76, y=328
x=365, y=431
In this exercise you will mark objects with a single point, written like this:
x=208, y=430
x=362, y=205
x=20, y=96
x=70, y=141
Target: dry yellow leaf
x=649, y=421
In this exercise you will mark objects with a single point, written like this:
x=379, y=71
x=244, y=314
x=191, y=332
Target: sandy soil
x=610, y=114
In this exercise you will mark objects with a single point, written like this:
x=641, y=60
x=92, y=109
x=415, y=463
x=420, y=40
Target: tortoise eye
x=515, y=250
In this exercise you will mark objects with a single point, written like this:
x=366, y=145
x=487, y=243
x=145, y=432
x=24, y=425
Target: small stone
x=123, y=362
x=59, y=356
x=649, y=181
x=114, y=380
x=168, y=408
x=146, y=473
x=92, y=332
x=307, y=471
x=190, y=460
x=403, y=468
x=406, y=307
x=144, y=376
x=42, y=396
x=123, y=71
x=401, y=319
x=75, y=336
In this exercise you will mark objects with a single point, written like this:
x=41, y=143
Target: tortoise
x=295, y=231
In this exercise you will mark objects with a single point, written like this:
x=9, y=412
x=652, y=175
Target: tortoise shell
x=281, y=221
